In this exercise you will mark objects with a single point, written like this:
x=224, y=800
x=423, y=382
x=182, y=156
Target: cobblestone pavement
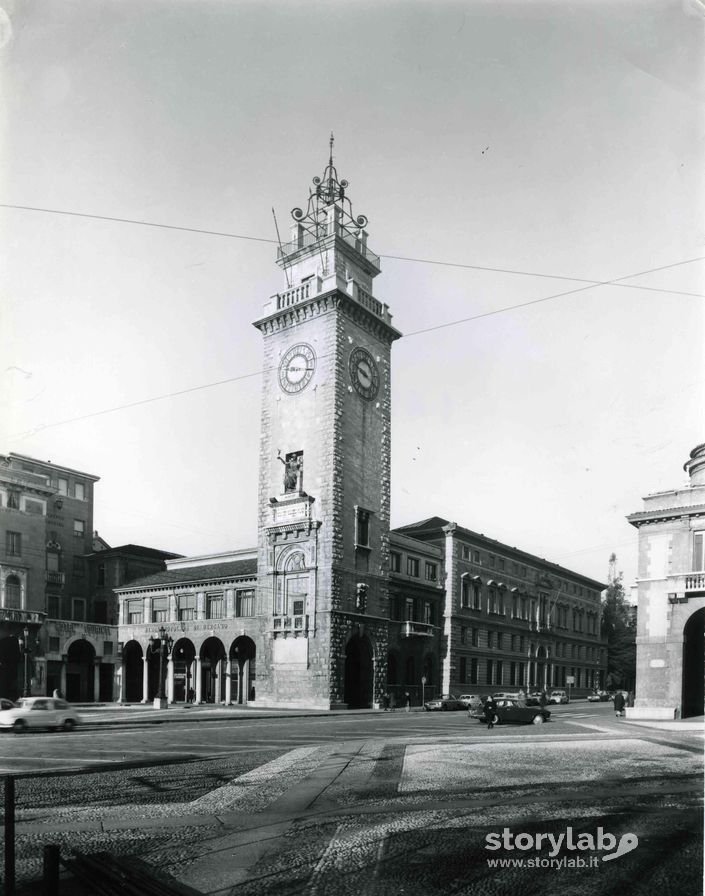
x=380, y=817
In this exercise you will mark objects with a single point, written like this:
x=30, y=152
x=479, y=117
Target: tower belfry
x=324, y=485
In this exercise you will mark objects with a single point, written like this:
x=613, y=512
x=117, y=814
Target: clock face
x=364, y=373
x=297, y=368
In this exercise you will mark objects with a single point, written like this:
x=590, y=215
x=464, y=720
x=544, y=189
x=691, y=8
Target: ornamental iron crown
x=329, y=191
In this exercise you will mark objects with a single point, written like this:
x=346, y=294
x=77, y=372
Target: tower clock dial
x=296, y=368
x=364, y=373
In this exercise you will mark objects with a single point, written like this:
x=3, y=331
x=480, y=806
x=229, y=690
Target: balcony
x=412, y=629
x=290, y=625
x=21, y=616
x=55, y=578
x=695, y=582
x=683, y=586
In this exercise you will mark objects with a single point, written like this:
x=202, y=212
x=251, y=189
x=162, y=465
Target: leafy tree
x=619, y=628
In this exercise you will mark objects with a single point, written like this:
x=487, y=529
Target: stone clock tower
x=324, y=482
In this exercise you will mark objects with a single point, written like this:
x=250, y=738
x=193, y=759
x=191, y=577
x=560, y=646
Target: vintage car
x=40, y=712
x=444, y=702
x=470, y=701
x=599, y=697
x=558, y=696
x=509, y=711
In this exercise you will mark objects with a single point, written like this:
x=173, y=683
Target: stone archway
x=211, y=687
x=242, y=670
x=693, y=689
x=183, y=655
x=132, y=658
x=80, y=665
x=359, y=672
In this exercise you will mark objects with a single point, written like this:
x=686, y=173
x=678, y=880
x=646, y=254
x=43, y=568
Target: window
x=466, y=552
x=79, y=528
x=160, y=609
x=464, y=593
x=490, y=640
x=473, y=670
x=13, y=593
x=54, y=609
x=412, y=566
x=245, y=603
x=491, y=560
x=31, y=506
x=463, y=633
x=463, y=669
x=134, y=612
x=107, y=648
x=476, y=595
x=431, y=572
x=490, y=672
x=214, y=606
x=79, y=568
x=13, y=543
x=362, y=528
x=492, y=600
x=13, y=500
x=698, y=560
x=500, y=563
x=101, y=575
x=428, y=613
x=52, y=561
x=79, y=609
x=63, y=486
x=100, y=611
x=476, y=556
x=474, y=637
x=187, y=607
x=498, y=672
x=499, y=640
x=395, y=560
x=409, y=609
x=54, y=645
x=79, y=491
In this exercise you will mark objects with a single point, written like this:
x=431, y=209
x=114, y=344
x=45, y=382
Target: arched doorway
x=242, y=670
x=693, y=665
x=358, y=672
x=79, y=672
x=183, y=655
x=132, y=672
x=10, y=683
x=212, y=671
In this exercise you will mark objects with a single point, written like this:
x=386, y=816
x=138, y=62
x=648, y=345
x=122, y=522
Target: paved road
x=371, y=803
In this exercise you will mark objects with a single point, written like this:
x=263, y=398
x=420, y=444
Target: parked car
x=506, y=695
x=470, y=701
x=599, y=697
x=535, y=698
x=509, y=711
x=558, y=697
x=6, y=704
x=446, y=701
x=40, y=712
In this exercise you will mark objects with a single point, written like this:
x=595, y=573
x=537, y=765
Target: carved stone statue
x=293, y=471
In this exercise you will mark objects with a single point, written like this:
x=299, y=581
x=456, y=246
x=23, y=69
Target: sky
x=513, y=159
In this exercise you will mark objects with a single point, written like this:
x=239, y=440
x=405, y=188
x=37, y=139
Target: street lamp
x=163, y=644
x=25, y=651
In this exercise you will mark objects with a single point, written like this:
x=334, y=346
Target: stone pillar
x=218, y=680
x=245, y=682
x=197, y=681
x=228, y=682
x=170, y=680
x=122, y=671
x=145, y=680
x=64, y=664
x=96, y=681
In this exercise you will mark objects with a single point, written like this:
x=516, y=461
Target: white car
x=40, y=712
x=471, y=701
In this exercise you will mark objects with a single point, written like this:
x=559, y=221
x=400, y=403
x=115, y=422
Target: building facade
x=670, y=590
x=512, y=620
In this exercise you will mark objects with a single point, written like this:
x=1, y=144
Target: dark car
x=445, y=702
x=6, y=704
x=509, y=711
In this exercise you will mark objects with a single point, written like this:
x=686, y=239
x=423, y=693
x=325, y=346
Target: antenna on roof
x=281, y=249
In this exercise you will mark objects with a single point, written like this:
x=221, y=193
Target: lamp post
x=163, y=644
x=25, y=651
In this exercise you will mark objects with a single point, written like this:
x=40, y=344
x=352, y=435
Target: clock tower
x=324, y=481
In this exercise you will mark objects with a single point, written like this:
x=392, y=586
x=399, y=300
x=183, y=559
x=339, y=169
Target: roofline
x=171, y=583
x=58, y=467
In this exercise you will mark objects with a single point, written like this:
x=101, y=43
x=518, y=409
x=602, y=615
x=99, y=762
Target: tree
x=619, y=629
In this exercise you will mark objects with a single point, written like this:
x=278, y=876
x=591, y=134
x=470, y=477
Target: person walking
x=407, y=701
x=619, y=703
x=490, y=712
x=385, y=702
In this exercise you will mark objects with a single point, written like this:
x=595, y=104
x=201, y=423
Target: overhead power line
x=245, y=376
x=411, y=259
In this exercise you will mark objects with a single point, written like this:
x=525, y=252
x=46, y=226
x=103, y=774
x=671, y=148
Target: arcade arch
x=693, y=690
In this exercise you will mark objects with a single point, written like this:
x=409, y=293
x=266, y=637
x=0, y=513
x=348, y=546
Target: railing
x=367, y=301
x=293, y=296
x=295, y=624
x=416, y=629
x=307, y=239
x=55, y=578
x=8, y=615
x=695, y=582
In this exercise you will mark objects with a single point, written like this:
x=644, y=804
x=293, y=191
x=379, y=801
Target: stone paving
x=384, y=817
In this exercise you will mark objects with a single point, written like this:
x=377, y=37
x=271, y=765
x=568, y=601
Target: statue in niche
x=293, y=471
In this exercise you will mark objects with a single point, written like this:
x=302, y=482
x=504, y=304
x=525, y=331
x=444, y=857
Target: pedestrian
x=407, y=701
x=490, y=712
x=544, y=699
x=191, y=695
x=619, y=703
x=385, y=702
x=392, y=702
x=522, y=696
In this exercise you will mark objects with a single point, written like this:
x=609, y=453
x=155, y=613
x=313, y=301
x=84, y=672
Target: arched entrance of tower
x=10, y=683
x=183, y=655
x=693, y=665
x=359, y=672
x=80, y=663
x=212, y=671
x=242, y=670
x=132, y=672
